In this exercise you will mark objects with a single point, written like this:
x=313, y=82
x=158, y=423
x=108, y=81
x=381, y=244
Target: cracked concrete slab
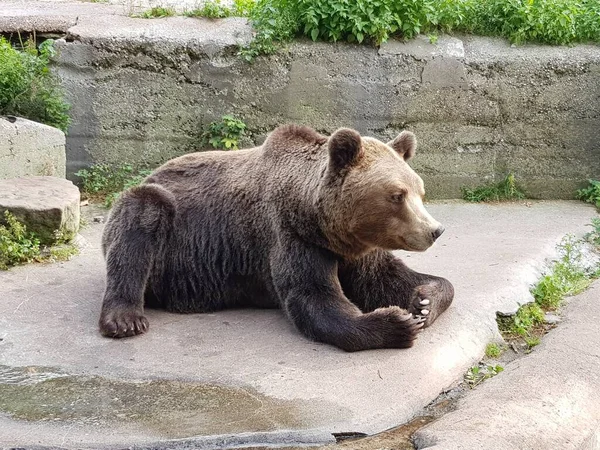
x=248, y=375
x=548, y=400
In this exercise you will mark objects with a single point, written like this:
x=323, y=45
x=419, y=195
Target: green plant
x=593, y=237
x=566, y=277
x=156, y=12
x=274, y=23
x=224, y=134
x=27, y=86
x=478, y=374
x=374, y=21
x=494, y=350
x=212, y=9
x=505, y=190
x=105, y=182
x=17, y=245
x=591, y=194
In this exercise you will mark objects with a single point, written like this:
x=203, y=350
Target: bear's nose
x=437, y=233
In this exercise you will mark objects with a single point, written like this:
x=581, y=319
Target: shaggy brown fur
x=304, y=222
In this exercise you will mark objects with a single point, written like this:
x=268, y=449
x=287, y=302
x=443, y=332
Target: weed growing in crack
x=593, y=237
x=505, y=190
x=157, y=12
x=590, y=194
x=571, y=274
x=494, y=350
x=478, y=374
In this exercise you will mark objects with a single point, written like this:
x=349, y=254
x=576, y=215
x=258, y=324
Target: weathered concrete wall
x=30, y=148
x=142, y=90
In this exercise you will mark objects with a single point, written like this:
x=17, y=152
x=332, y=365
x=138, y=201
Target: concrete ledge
x=30, y=148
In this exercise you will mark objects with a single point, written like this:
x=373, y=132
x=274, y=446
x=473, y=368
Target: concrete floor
x=247, y=377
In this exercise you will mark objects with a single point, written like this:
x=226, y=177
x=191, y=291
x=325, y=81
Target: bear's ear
x=345, y=146
x=404, y=144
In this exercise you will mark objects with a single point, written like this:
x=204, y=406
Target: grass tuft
x=156, y=12
x=505, y=190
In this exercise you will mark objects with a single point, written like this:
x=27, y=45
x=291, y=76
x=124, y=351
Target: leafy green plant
x=156, y=12
x=505, y=190
x=17, y=245
x=374, y=21
x=224, y=134
x=591, y=194
x=105, y=182
x=593, y=237
x=478, y=374
x=494, y=350
x=566, y=277
x=212, y=9
x=27, y=86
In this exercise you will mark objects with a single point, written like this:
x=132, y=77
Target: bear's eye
x=398, y=197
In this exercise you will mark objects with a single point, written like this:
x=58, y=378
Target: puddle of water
x=169, y=409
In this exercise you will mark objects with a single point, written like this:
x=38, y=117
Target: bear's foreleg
x=379, y=279
x=135, y=232
x=306, y=282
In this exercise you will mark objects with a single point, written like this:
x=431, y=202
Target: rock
x=44, y=204
x=29, y=148
x=98, y=219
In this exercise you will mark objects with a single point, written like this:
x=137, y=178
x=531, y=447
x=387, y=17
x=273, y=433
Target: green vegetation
x=104, y=182
x=18, y=246
x=213, y=9
x=505, y=190
x=569, y=275
x=593, y=237
x=374, y=21
x=591, y=194
x=224, y=134
x=478, y=374
x=28, y=88
x=156, y=12
x=494, y=350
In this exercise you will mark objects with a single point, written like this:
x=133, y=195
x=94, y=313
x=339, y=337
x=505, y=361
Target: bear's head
x=374, y=198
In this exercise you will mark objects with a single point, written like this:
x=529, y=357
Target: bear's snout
x=437, y=233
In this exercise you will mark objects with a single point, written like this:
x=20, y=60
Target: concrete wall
x=143, y=90
x=29, y=148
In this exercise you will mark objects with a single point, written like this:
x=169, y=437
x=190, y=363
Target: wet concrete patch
x=164, y=408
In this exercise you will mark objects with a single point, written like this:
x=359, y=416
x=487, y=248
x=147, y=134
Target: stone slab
x=548, y=400
x=43, y=204
x=195, y=377
x=30, y=148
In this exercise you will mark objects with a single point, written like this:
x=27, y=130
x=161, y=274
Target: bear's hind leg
x=136, y=231
x=380, y=279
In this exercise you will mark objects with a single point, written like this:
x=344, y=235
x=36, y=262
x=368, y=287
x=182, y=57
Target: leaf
x=314, y=34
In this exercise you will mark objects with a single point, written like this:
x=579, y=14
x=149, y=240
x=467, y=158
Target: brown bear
x=304, y=222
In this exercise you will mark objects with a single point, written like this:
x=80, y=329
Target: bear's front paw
x=394, y=327
x=429, y=300
x=121, y=323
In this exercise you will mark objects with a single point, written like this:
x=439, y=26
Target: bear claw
x=119, y=324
